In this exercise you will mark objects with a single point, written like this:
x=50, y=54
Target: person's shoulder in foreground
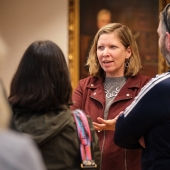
x=148, y=116
x=145, y=105
x=18, y=152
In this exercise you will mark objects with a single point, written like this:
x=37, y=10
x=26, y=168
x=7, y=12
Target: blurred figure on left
x=17, y=151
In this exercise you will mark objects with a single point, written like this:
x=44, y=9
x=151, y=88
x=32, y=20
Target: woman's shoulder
x=138, y=80
x=90, y=80
x=141, y=77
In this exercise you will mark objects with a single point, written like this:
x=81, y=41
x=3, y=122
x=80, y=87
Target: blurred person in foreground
x=40, y=96
x=147, y=120
x=114, y=65
x=17, y=151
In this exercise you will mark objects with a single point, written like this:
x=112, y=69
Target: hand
x=142, y=142
x=105, y=124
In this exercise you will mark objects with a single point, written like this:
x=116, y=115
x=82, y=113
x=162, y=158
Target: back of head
x=42, y=81
x=126, y=38
x=165, y=19
x=164, y=26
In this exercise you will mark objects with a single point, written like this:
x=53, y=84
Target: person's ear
x=168, y=40
x=129, y=52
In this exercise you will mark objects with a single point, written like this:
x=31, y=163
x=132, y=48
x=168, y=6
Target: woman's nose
x=105, y=52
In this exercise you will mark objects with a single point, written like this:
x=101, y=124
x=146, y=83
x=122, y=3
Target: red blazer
x=90, y=97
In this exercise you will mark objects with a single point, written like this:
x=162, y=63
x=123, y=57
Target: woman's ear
x=168, y=40
x=129, y=52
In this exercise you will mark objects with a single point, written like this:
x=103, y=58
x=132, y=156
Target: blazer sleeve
x=147, y=111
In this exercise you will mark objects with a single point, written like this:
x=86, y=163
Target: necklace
x=115, y=91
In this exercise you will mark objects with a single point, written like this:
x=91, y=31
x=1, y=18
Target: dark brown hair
x=42, y=81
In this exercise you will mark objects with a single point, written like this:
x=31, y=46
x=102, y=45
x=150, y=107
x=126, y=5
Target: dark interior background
x=140, y=16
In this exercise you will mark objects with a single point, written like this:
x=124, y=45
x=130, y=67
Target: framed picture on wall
x=141, y=17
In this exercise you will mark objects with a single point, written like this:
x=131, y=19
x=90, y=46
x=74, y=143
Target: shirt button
x=94, y=93
x=127, y=94
x=92, y=85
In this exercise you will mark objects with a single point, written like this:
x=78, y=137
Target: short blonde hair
x=126, y=37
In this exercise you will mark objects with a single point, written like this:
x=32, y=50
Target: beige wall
x=24, y=21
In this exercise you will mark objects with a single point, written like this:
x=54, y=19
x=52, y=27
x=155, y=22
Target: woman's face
x=112, y=54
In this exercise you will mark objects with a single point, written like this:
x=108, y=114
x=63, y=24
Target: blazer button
x=92, y=85
x=94, y=93
x=127, y=94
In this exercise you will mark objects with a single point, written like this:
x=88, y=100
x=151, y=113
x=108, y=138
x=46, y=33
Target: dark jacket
x=90, y=97
x=56, y=135
x=148, y=116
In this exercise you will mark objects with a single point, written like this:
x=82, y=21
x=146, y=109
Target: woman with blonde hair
x=114, y=81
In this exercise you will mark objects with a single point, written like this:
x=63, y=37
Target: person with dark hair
x=40, y=96
x=114, y=65
x=147, y=120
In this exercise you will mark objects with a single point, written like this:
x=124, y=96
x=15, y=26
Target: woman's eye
x=113, y=47
x=100, y=47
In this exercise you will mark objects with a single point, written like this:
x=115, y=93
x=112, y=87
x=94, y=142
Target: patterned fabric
x=85, y=137
x=83, y=133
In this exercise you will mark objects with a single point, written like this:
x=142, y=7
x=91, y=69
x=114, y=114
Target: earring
x=127, y=63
